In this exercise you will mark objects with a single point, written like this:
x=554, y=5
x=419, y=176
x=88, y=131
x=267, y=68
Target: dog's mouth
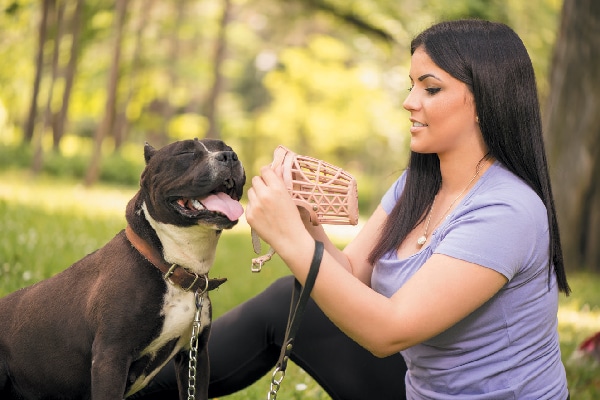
x=223, y=201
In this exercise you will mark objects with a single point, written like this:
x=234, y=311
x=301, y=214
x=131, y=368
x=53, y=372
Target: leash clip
x=258, y=262
x=256, y=266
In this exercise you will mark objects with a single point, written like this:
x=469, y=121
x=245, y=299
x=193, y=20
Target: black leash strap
x=300, y=296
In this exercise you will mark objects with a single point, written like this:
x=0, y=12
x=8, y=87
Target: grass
x=46, y=224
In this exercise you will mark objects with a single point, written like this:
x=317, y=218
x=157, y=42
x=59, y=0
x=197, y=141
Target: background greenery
x=324, y=77
x=46, y=224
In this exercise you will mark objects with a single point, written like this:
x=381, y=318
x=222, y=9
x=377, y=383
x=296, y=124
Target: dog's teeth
x=197, y=205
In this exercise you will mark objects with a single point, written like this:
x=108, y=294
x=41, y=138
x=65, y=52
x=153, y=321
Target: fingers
x=272, y=176
x=270, y=210
x=261, y=195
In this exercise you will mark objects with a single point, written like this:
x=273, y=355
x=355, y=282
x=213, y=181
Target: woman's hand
x=271, y=212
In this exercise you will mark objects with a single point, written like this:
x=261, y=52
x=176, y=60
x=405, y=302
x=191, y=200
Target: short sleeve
x=499, y=233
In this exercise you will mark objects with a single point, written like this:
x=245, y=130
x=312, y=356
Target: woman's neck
x=459, y=170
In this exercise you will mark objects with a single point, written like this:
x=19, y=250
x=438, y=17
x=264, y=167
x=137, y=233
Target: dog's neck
x=191, y=247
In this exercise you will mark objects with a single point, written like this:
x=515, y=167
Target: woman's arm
x=354, y=256
x=440, y=294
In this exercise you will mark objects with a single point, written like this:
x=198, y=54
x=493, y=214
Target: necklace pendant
x=421, y=241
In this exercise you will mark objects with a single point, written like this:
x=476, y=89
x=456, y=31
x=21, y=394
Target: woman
x=460, y=267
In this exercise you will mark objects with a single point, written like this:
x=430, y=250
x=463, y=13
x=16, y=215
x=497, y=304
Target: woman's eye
x=433, y=91
x=410, y=88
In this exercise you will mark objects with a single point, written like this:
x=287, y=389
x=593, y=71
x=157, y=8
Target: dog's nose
x=226, y=157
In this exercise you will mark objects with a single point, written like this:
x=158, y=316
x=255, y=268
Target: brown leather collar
x=172, y=273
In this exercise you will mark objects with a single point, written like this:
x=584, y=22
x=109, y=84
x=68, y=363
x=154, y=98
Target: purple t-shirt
x=509, y=347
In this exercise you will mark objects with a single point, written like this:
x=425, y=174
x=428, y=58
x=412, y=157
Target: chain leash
x=196, y=325
x=276, y=379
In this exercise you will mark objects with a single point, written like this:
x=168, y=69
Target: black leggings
x=245, y=343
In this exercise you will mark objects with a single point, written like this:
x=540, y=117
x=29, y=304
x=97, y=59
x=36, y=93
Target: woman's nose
x=410, y=102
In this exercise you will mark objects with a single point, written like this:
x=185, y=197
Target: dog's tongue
x=221, y=202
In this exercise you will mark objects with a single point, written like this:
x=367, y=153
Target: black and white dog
x=104, y=327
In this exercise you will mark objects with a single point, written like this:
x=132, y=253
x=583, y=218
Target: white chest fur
x=178, y=310
x=193, y=248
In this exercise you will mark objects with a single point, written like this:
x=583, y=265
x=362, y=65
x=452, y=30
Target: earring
x=477, y=119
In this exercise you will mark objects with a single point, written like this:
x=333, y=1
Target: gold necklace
x=423, y=238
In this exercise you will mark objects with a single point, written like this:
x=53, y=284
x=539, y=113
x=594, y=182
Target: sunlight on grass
x=579, y=314
x=51, y=195
x=582, y=320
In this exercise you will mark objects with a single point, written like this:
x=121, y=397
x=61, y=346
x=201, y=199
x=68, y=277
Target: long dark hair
x=492, y=61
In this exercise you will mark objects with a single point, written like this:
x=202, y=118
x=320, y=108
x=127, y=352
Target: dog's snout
x=226, y=157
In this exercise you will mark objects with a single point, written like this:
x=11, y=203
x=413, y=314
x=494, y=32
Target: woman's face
x=442, y=109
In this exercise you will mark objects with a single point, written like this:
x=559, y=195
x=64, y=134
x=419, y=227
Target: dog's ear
x=149, y=151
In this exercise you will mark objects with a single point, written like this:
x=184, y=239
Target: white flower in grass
x=300, y=387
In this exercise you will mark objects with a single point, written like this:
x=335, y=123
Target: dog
x=102, y=328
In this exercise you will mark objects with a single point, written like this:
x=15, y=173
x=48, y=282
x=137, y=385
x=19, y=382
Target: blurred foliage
x=325, y=78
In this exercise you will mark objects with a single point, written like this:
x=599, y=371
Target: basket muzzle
x=327, y=192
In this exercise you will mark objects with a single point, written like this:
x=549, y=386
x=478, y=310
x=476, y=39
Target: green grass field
x=47, y=224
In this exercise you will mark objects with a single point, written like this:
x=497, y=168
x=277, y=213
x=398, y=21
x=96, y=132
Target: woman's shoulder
x=500, y=181
x=501, y=187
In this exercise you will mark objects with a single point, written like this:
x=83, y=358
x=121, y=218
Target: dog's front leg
x=109, y=373
x=202, y=375
x=181, y=362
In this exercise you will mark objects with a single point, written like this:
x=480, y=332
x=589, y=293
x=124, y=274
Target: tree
x=108, y=120
x=43, y=27
x=122, y=123
x=38, y=144
x=572, y=123
x=217, y=86
x=60, y=118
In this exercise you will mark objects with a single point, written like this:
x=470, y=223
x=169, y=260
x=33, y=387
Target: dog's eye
x=186, y=153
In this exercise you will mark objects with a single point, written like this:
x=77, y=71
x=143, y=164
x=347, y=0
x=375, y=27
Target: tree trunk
x=572, y=123
x=217, y=86
x=122, y=122
x=38, y=152
x=49, y=122
x=174, y=54
x=39, y=69
x=61, y=117
x=108, y=120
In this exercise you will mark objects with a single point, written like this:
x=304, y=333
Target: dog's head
x=192, y=182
